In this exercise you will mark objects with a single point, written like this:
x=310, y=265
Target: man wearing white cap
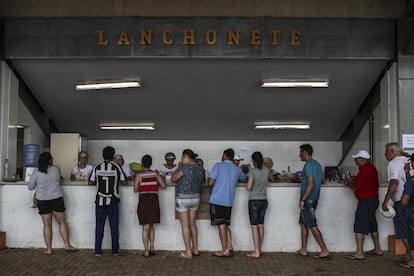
x=365, y=186
x=396, y=178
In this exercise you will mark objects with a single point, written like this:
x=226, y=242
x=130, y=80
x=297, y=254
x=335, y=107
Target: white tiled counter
x=335, y=215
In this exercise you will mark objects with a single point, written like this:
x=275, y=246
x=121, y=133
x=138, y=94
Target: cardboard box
x=2, y=240
x=396, y=246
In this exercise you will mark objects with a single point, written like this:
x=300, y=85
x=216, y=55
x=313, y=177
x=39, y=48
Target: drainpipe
x=371, y=136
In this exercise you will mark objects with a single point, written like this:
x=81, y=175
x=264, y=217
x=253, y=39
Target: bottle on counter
x=6, y=169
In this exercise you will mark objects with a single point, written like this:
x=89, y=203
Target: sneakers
x=116, y=253
x=97, y=254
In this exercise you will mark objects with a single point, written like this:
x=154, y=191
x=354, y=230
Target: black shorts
x=257, y=211
x=307, y=215
x=365, y=221
x=220, y=214
x=49, y=206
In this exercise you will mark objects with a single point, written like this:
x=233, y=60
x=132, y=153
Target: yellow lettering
x=123, y=38
x=294, y=38
x=233, y=37
x=275, y=36
x=146, y=37
x=165, y=39
x=101, y=40
x=255, y=37
x=189, y=37
x=211, y=36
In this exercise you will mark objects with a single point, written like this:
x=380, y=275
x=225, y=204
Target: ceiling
x=201, y=99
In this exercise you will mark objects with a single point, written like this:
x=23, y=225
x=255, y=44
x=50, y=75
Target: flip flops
x=319, y=257
x=373, y=252
x=302, y=254
x=182, y=255
x=354, y=258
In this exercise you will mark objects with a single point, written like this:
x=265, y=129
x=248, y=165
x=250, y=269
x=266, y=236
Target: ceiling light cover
x=128, y=126
x=286, y=83
x=282, y=125
x=108, y=84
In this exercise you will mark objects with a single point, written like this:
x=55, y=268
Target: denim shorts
x=365, y=220
x=257, y=211
x=307, y=214
x=220, y=214
x=409, y=227
x=183, y=204
x=399, y=220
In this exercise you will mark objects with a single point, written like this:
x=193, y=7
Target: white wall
x=284, y=154
x=335, y=216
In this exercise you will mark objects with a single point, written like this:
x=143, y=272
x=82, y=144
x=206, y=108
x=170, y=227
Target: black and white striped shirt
x=107, y=175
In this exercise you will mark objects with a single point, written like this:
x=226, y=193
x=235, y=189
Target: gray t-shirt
x=47, y=185
x=260, y=181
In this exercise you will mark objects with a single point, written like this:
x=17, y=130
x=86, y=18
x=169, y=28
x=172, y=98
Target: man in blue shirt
x=309, y=195
x=224, y=178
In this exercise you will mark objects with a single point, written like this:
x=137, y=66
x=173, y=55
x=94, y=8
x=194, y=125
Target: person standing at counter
x=119, y=159
x=407, y=200
x=189, y=177
x=46, y=181
x=365, y=186
x=312, y=179
x=258, y=179
x=107, y=176
x=396, y=178
x=148, y=210
x=82, y=170
x=168, y=168
x=224, y=177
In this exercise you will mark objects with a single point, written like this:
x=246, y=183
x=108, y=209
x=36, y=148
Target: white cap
x=237, y=157
x=363, y=154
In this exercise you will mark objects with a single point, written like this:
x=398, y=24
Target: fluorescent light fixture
x=281, y=125
x=16, y=126
x=295, y=83
x=108, y=84
x=129, y=126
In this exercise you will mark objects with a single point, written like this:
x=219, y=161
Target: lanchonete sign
x=143, y=37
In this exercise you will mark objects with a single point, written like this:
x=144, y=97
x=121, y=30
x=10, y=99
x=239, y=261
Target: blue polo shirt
x=226, y=176
x=314, y=169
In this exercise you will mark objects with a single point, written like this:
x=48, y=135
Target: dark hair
x=146, y=161
x=200, y=162
x=190, y=154
x=412, y=157
x=308, y=148
x=83, y=153
x=108, y=153
x=44, y=161
x=229, y=153
x=258, y=159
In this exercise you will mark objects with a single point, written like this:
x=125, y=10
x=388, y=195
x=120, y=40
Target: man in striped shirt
x=107, y=176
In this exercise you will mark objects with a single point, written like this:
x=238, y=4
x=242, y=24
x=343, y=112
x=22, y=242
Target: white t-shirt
x=166, y=172
x=82, y=174
x=127, y=170
x=395, y=170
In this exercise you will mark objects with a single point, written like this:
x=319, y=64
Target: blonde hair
x=267, y=161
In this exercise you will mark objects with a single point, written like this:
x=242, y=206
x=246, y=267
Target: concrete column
x=406, y=77
x=9, y=94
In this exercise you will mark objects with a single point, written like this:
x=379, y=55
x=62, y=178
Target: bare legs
x=148, y=237
x=48, y=233
x=318, y=237
x=189, y=232
x=359, y=238
x=225, y=238
x=258, y=235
